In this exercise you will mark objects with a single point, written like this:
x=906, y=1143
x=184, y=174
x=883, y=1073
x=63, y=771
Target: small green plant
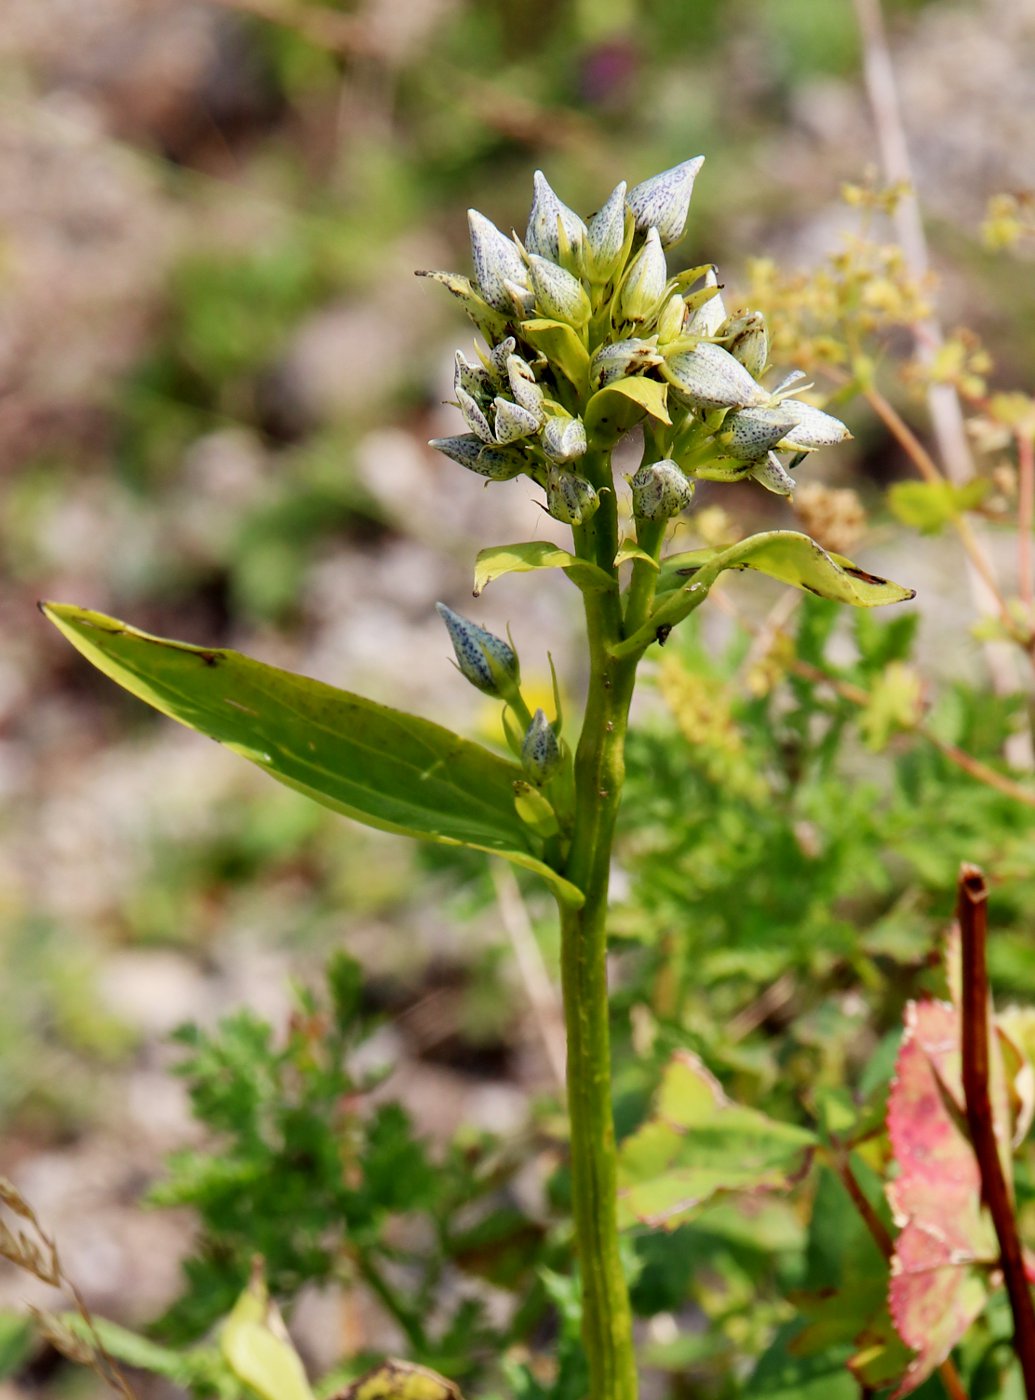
x=587, y=337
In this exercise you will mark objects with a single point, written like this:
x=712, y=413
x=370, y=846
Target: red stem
x=972, y=911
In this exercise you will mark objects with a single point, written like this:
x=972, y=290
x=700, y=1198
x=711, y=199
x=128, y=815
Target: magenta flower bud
x=660, y=490
x=663, y=201
x=570, y=497
x=487, y=661
x=564, y=439
x=496, y=261
x=558, y=294
x=540, y=751
x=644, y=283
x=709, y=377
x=547, y=216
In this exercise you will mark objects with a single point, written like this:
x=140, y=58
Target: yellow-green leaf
x=697, y=1144
x=619, y=406
x=257, y=1348
x=378, y=765
x=497, y=560
x=560, y=344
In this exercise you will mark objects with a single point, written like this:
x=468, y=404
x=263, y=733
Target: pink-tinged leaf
x=947, y=1244
x=697, y=1144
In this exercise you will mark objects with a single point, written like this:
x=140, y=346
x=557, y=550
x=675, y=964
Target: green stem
x=409, y=1323
x=599, y=774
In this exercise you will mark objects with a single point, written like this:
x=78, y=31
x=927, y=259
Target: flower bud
x=644, y=283
x=513, y=421
x=749, y=433
x=746, y=337
x=564, y=439
x=812, y=427
x=707, y=318
x=663, y=201
x=487, y=661
x=709, y=377
x=475, y=380
x=772, y=474
x=548, y=216
x=623, y=358
x=660, y=490
x=558, y=294
x=540, y=751
x=496, y=260
x=570, y=497
x=498, y=357
x=605, y=236
x=522, y=298
x=473, y=416
x=494, y=463
x=523, y=387
x=670, y=321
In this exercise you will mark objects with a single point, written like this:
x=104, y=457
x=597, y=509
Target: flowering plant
x=587, y=337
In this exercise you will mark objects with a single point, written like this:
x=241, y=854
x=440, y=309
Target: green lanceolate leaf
x=502, y=559
x=697, y=1144
x=618, y=406
x=378, y=765
x=794, y=558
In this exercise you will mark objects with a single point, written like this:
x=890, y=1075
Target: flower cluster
x=586, y=333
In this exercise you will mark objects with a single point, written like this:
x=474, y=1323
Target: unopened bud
x=605, y=236
x=473, y=416
x=660, y=490
x=746, y=337
x=513, y=421
x=709, y=377
x=475, y=380
x=558, y=294
x=523, y=387
x=670, y=321
x=540, y=751
x=749, y=433
x=547, y=217
x=498, y=357
x=623, y=358
x=663, y=201
x=564, y=439
x=644, y=284
x=772, y=474
x=496, y=260
x=705, y=315
x=487, y=661
x=570, y=497
x=494, y=463
x=812, y=427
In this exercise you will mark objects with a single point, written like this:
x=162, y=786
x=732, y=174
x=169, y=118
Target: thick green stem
x=599, y=774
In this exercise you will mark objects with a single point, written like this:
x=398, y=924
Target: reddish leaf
x=936, y=1291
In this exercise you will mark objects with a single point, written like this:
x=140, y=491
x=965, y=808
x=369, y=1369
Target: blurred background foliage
x=219, y=376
